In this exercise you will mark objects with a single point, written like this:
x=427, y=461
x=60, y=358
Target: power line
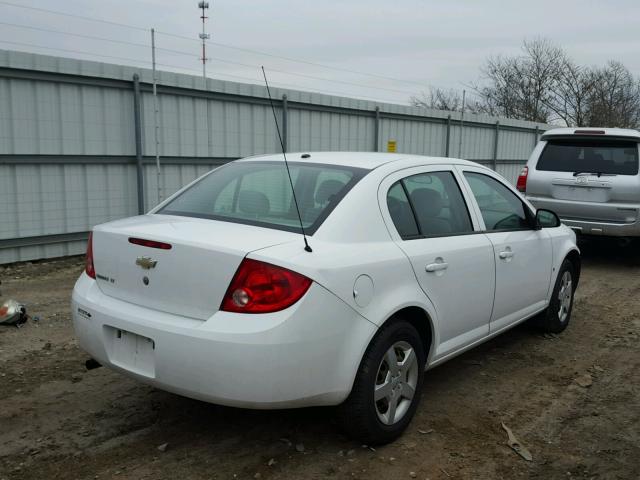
x=290, y=59
x=81, y=17
x=92, y=37
x=339, y=69
x=254, y=81
x=315, y=90
x=341, y=81
x=218, y=44
x=79, y=35
x=312, y=76
x=179, y=52
x=73, y=51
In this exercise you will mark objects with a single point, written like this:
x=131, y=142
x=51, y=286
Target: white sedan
x=412, y=260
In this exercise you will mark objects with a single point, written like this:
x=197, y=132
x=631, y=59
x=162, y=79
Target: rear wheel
x=386, y=391
x=557, y=315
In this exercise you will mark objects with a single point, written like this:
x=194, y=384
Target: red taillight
x=89, y=268
x=259, y=287
x=521, y=184
x=150, y=243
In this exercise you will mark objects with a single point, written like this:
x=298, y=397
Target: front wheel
x=387, y=388
x=557, y=315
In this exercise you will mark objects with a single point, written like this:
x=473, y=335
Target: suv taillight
x=259, y=287
x=88, y=267
x=521, y=184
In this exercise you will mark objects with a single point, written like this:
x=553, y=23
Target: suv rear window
x=259, y=193
x=617, y=157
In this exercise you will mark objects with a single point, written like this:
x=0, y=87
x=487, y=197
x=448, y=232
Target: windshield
x=616, y=157
x=259, y=193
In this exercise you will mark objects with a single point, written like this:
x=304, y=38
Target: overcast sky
x=423, y=43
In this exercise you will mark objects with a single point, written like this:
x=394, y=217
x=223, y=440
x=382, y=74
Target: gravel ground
x=573, y=400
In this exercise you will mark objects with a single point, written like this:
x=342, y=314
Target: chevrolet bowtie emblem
x=146, y=262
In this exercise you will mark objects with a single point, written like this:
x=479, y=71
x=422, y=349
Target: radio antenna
x=286, y=164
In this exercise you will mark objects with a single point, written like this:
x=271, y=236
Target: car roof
x=608, y=132
x=366, y=160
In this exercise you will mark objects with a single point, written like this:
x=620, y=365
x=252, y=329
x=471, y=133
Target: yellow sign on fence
x=391, y=146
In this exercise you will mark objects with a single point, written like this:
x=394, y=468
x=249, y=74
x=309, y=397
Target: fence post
x=138, y=136
x=285, y=114
x=376, y=131
x=496, y=139
x=448, y=136
x=535, y=139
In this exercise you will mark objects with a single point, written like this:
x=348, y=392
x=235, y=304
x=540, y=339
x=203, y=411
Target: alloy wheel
x=565, y=296
x=396, y=382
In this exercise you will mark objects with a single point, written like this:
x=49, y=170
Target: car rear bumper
x=625, y=223
x=305, y=355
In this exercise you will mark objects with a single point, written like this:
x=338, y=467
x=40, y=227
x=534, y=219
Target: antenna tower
x=204, y=36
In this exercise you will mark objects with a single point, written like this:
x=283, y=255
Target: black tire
x=359, y=414
x=551, y=320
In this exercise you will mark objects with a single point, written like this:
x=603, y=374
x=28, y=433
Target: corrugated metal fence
x=69, y=145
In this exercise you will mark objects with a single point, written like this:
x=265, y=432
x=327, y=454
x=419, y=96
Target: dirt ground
x=58, y=420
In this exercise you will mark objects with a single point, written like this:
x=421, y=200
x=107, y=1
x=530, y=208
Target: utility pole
x=204, y=36
x=464, y=98
x=156, y=114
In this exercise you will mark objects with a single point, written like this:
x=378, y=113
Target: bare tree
x=438, y=99
x=520, y=87
x=614, y=100
x=449, y=100
x=570, y=94
x=544, y=85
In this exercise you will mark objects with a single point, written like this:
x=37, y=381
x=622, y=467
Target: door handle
x=506, y=254
x=437, y=267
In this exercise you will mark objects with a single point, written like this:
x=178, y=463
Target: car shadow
x=186, y=420
x=609, y=251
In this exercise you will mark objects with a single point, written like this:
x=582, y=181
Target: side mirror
x=547, y=219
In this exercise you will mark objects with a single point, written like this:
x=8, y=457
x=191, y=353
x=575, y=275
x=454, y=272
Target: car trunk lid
x=191, y=277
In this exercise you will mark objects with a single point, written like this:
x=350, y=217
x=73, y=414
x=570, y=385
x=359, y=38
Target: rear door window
x=428, y=205
x=401, y=212
x=613, y=157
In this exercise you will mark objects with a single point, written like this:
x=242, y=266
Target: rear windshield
x=259, y=193
x=618, y=157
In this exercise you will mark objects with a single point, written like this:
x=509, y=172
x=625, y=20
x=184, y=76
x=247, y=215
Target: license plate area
x=581, y=193
x=131, y=351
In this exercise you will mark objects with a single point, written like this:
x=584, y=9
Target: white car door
x=453, y=261
x=523, y=253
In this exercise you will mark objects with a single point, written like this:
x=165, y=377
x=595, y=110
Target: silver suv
x=589, y=177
